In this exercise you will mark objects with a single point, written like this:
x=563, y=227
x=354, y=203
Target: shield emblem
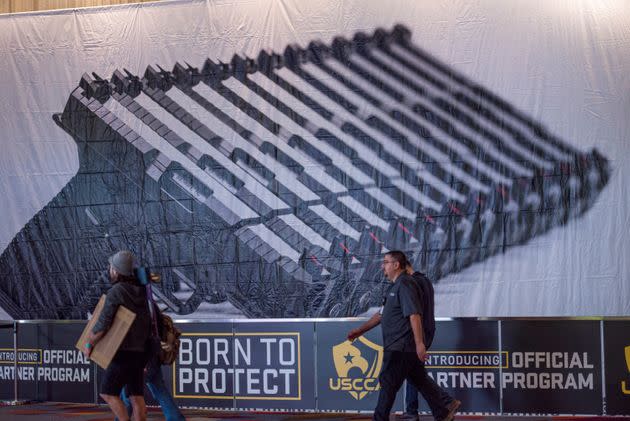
x=359, y=359
x=624, y=389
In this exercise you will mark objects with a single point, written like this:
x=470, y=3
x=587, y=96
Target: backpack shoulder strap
x=152, y=311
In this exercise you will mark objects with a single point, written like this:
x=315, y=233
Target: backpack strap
x=152, y=310
x=142, y=273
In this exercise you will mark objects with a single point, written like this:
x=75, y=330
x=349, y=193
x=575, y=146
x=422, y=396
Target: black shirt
x=428, y=312
x=402, y=299
x=133, y=296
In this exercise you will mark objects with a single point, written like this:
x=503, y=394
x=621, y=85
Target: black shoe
x=452, y=410
x=408, y=416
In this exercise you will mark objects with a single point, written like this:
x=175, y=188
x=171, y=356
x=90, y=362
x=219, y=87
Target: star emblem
x=348, y=358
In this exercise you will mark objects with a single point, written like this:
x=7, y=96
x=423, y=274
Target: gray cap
x=123, y=262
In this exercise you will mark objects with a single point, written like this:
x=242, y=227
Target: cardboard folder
x=106, y=348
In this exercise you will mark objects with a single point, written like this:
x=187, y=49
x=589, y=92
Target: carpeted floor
x=51, y=411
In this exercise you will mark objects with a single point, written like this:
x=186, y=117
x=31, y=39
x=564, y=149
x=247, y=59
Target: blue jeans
x=155, y=383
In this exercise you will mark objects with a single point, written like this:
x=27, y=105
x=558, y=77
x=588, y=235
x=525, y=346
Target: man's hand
x=87, y=349
x=416, y=326
x=92, y=339
x=421, y=351
x=353, y=334
x=374, y=321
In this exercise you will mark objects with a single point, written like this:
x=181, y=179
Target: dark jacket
x=428, y=310
x=132, y=296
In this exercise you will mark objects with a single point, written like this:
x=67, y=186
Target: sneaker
x=452, y=409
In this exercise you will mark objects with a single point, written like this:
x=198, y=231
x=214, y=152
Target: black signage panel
x=6, y=360
x=274, y=365
x=347, y=372
x=49, y=366
x=543, y=366
x=29, y=359
x=617, y=356
x=554, y=367
x=465, y=361
x=203, y=373
x=64, y=374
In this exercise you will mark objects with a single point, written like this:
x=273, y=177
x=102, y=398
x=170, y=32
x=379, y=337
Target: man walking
x=403, y=341
x=153, y=371
x=126, y=368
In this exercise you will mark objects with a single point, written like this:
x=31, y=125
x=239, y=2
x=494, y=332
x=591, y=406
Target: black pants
x=126, y=369
x=435, y=397
x=398, y=366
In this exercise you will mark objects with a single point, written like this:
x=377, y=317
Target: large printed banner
x=347, y=372
x=465, y=360
x=262, y=156
x=255, y=365
x=553, y=367
x=49, y=367
x=509, y=367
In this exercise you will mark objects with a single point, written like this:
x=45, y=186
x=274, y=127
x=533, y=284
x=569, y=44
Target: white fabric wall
x=565, y=63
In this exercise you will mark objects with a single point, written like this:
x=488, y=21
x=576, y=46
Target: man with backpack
x=404, y=349
x=125, y=369
x=165, y=336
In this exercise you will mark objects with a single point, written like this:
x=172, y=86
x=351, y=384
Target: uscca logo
x=357, y=364
x=625, y=389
